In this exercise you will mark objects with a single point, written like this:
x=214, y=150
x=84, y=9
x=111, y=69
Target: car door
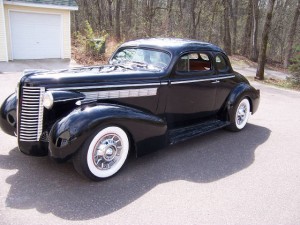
x=192, y=90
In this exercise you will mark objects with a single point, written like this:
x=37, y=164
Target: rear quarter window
x=221, y=63
x=194, y=62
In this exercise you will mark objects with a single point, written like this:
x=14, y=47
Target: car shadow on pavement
x=55, y=188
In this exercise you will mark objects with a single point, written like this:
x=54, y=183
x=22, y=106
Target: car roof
x=173, y=45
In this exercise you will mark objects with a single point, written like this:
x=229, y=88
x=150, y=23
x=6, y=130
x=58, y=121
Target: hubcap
x=241, y=113
x=107, y=151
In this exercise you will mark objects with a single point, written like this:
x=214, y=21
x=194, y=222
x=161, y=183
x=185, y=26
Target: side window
x=221, y=64
x=193, y=62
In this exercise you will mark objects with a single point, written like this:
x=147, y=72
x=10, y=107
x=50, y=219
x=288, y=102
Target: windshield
x=143, y=57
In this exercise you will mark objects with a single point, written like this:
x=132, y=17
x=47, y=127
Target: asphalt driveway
x=17, y=66
x=250, y=177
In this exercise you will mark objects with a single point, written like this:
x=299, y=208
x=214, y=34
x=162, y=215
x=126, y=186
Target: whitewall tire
x=104, y=154
x=241, y=115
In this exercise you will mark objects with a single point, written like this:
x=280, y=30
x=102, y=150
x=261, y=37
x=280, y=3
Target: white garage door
x=35, y=35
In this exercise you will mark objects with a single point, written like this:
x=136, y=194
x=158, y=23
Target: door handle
x=215, y=82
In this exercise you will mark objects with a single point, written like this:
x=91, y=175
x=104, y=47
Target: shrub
x=89, y=43
x=95, y=44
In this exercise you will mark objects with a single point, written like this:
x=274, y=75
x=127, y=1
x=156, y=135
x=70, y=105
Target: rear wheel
x=104, y=154
x=241, y=116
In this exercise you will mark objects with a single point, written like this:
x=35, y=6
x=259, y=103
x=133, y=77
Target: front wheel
x=103, y=154
x=241, y=116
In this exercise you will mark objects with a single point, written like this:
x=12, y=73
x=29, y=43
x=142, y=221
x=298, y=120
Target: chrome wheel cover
x=107, y=151
x=242, y=114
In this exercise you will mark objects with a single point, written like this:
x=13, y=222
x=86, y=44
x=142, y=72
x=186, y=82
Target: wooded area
x=243, y=27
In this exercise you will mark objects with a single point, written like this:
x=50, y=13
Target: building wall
x=66, y=26
x=3, y=43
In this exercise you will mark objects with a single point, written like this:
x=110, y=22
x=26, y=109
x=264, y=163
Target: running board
x=185, y=133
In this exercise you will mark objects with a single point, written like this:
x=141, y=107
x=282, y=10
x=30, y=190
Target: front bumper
x=37, y=148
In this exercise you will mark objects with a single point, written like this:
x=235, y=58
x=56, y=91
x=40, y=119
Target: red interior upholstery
x=199, y=65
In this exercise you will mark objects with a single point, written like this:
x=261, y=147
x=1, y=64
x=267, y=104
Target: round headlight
x=48, y=100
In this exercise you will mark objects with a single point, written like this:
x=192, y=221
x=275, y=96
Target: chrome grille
x=31, y=114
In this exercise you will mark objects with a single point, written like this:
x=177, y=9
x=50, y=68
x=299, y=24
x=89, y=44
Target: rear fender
x=68, y=134
x=243, y=90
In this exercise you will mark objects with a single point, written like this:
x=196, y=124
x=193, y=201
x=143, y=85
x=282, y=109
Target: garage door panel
x=35, y=36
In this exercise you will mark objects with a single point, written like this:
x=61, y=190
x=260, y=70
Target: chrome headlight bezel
x=17, y=90
x=48, y=100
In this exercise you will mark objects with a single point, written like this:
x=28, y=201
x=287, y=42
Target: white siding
x=3, y=42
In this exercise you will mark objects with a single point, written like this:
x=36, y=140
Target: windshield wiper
x=141, y=64
x=123, y=66
x=137, y=64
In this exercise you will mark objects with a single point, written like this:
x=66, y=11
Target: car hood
x=90, y=76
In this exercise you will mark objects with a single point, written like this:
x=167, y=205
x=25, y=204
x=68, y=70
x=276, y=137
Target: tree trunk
x=118, y=25
x=235, y=6
x=129, y=13
x=109, y=2
x=291, y=35
x=86, y=10
x=255, y=14
x=100, y=18
x=170, y=22
x=247, y=32
x=212, y=21
x=149, y=13
x=227, y=37
x=76, y=27
x=195, y=18
x=264, y=42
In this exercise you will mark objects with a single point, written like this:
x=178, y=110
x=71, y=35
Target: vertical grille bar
x=31, y=114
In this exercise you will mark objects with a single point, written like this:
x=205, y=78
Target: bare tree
x=291, y=36
x=214, y=12
x=263, y=47
x=195, y=17
x=109, y=2
x=101, y=9
x=149, y=13
x=255, y=15
x=247, y=31
x=117, y=20
x=233, y=24
x=129, y=8
x=234, y=16
x=227, y=37
x=170, y=22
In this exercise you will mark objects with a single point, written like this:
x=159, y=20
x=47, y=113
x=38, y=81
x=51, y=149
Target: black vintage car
x=153, y=93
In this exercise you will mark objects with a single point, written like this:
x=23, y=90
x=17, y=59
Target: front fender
x=237, y=94
x=8, y=118
x=68, y=134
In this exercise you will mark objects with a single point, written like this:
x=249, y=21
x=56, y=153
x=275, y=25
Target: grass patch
x=283, y=84
x=286, y=84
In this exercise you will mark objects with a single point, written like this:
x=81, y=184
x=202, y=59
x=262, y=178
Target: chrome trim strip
x=200, y=80
x=164, y=83
x=126, y=93
x=67, y=99
x=41, y=114
x=136, y=85
x=104, y=86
